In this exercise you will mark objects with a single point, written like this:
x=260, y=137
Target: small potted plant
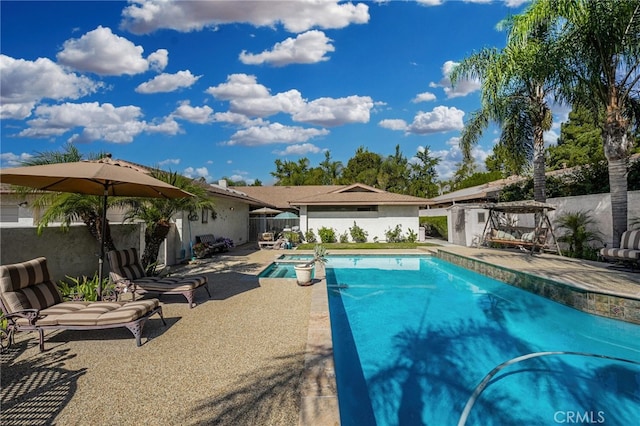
x=304, y=271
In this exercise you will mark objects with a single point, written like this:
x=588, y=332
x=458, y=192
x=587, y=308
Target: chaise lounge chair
x=32, y=302
x=127, y=273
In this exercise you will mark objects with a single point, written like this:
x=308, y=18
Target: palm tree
x=578, y=233
x=156, y=213
x=68, y=207
x=514, y=95
x=599, y=40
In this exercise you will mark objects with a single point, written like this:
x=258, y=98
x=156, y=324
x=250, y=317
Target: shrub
x=327, y=235
x=344, y=237
x=309, y=236
x=411, y=236
x=358, y=235
x=83, y=288
x=435, y=226
x=578, y=235
x=394, y=235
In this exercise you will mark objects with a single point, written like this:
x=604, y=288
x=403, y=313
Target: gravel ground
x=236, y=359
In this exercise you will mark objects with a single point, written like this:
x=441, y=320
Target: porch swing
x=501, y=231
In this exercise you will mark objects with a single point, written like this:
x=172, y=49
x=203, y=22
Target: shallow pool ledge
x=582, y=285
x=319, y=399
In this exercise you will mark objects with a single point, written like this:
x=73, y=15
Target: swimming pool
x=414, y=337
x=282, y=267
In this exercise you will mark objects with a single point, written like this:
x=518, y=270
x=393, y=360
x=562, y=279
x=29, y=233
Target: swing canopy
x=501, y=232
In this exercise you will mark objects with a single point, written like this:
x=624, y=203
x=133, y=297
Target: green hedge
x=436, y=226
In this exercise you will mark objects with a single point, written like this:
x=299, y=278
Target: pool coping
x=622, y=305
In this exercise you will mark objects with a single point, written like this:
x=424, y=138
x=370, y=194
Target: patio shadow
x=36, y=390
x=265, y=396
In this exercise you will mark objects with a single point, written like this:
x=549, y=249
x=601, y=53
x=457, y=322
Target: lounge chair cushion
x=629, y=247
x=27, y=285
x=93, y=313
x=127, y=264
x=162, y=284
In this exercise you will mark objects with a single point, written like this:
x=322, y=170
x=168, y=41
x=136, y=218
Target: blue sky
x=224, y=88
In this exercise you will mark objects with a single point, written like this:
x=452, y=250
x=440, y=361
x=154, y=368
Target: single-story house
x=339, y=206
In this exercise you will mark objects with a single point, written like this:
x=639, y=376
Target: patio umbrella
x=286, y=215
x=104, y=177
x=265, y=210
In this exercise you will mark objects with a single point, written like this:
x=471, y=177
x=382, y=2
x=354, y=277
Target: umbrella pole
x=104, y=230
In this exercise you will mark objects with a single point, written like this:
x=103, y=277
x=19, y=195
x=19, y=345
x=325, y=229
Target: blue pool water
x=414, y=336
x=283, y=267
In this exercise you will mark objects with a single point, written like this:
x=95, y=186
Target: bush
x=344, y=237
x=394, y=235
x=309, y=236
x=358, y=235
x=412, y=237
x=327, y=235
x=435, y=226
x=83, y=288
x=578, y=235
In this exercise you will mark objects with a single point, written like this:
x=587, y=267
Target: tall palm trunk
x=153, y=238
x=616, y=147
x=94, y=226
x=538, y=166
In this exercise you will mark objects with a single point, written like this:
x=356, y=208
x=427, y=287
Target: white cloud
x=299, y=149
x=104, y=53
x=200, y=115
x=9, y=159
x=424, y=97
x=515, y=3
x=247, y=97
x=146, y=16
x=441, y=119
x=237, y=119
x=158, y=60
x=430, y=2
x=308, y=48
x=274, y=133
x=25, y=83
x=164, y=83
x=452, y=157
x=336, y=112
x=96, y=121
x=463, y=88
x=169, y=161
x=168, y=126
x=197, y=172
x=393, y=124
x=288, y=102
x=239, y=86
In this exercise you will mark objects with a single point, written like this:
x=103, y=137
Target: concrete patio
x=257, y=353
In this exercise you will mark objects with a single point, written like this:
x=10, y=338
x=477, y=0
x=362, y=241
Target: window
x=481, y=217
x=205, y=216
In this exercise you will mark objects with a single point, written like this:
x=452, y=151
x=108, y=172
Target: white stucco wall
x=232, y=221
x=598, y=205
x=375, y=223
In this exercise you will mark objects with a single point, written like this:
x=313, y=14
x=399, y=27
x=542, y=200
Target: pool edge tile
x=319, y=396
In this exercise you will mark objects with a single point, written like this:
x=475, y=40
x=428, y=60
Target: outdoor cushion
x=127, y=271
x=630, y=240
x=27, y=285
x=629, y=247
x=621, y=253
x=30, y=301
